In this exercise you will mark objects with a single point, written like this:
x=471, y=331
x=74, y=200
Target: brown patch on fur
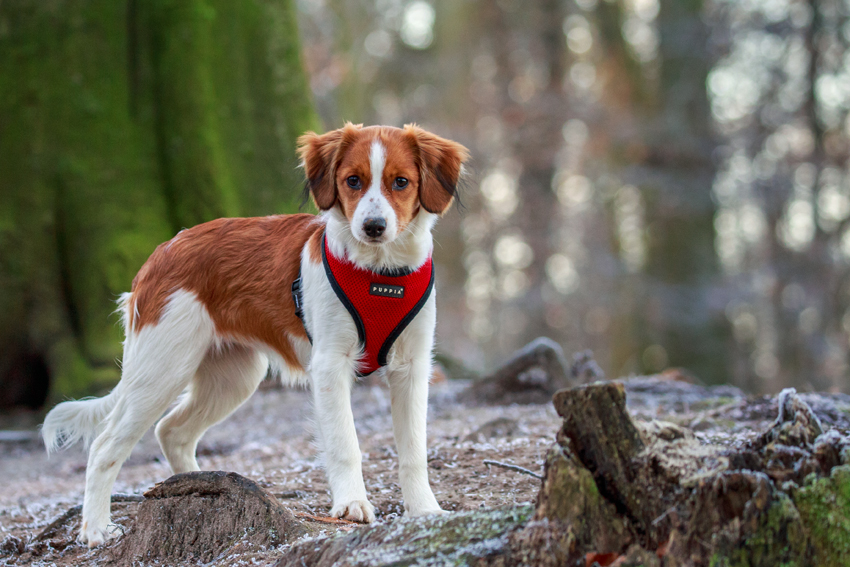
x=241, y=269
x=314, y=246
x=440, y=162
x=401, y=161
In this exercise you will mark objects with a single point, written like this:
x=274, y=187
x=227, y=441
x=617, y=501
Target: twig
x=325, y=519
x=513, y=468
x=657, y=520
x=73, y=511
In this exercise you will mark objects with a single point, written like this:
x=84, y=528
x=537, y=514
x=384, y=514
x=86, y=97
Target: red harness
x=381, y=303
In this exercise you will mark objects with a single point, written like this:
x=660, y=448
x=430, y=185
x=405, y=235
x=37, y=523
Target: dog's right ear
x=320, y=156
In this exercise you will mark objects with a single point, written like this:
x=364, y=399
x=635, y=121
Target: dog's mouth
x=374, y=240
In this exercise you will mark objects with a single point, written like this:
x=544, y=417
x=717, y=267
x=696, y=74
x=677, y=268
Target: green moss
x=570, y=495
x=123, y=122
x=711, y=403
x=824, y=506
x=778, y=541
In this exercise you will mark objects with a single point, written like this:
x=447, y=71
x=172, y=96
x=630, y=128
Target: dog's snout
x=374, y=227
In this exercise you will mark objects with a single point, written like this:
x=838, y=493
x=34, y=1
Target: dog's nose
x=374, y=227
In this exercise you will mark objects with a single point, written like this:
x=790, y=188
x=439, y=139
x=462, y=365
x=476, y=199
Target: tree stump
x=642, y=489
x=530, y=376
x=198, y=516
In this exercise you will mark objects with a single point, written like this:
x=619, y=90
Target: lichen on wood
x=441, y=540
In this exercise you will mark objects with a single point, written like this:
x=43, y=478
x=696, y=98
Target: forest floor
x=271, y=440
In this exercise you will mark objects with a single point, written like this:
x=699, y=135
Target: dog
x=314, y=297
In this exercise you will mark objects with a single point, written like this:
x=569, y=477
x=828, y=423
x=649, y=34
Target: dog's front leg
x=409, y=394
x=332, y=379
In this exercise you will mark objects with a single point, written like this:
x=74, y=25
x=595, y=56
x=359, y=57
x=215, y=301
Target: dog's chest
x=381, y=304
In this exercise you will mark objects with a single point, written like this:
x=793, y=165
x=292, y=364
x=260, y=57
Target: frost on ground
x=270, y=440
x=709, y=439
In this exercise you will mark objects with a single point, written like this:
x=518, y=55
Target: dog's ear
x=320, y=156
x=440, y=165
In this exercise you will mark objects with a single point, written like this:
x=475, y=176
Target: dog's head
x=380, y=177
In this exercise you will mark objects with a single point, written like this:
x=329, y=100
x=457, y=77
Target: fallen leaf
x=601, y=559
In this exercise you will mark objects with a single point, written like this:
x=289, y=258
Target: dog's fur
x=211, y=310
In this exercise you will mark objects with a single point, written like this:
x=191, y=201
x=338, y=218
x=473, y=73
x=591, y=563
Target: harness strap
x=298, y=300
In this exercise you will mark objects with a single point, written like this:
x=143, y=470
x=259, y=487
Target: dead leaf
x=601, y=559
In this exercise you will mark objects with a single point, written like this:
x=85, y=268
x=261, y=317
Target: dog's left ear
x=440, y=165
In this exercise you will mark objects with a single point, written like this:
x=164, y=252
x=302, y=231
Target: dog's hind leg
x=226, y=378
x=159, y=361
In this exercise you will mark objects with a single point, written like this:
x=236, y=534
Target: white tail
x=72, y=421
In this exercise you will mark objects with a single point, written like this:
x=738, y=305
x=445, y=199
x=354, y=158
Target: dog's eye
x=400, y=183
x=353, y=182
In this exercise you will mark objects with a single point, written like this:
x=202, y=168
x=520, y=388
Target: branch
x=512, y=468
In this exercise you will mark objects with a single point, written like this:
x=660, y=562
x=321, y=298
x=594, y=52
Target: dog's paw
x=425, y=512
x=356, y=511
x=94, y=536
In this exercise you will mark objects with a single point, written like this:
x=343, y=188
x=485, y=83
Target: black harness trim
x=298, y=300
x=358, y=322
x=385, y=348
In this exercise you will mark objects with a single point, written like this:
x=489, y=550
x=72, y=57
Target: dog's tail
x=77, y=420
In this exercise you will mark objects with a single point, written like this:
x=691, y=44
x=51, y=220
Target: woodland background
x=664, y=182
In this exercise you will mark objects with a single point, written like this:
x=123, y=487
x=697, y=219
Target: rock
x=530, y=376
x=198, y=516
x=498, y=428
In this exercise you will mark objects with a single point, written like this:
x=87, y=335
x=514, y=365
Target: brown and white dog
x=211, y=310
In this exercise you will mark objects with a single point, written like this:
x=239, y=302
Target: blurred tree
x=120, y=124
x=780, y=96
x=591, y=131
x=667, y=156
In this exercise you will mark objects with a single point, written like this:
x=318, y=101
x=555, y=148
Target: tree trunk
x=121, y=123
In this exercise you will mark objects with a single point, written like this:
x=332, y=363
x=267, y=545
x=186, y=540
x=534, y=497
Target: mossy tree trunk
x=120, y=123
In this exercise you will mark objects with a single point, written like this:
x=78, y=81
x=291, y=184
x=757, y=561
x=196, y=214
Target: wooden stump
x=638, y=489
x=199, y=515
x=530, y=376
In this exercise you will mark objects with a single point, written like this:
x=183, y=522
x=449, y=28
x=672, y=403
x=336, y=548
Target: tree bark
x=121, y=123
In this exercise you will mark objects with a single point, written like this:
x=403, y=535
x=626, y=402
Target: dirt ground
x=270, y=440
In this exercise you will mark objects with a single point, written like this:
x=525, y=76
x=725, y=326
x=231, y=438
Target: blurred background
x=664, y=182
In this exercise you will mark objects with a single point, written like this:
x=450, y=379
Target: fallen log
x=460, y=538
x=645, y=492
